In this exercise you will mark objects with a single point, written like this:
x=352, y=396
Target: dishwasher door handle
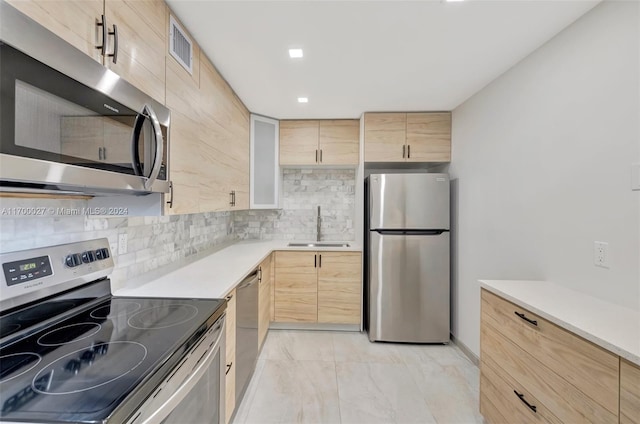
x=249, y=281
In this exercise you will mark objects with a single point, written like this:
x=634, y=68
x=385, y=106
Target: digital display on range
x=27, y=267
x=26, y=270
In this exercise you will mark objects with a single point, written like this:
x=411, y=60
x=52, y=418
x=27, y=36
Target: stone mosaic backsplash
x=155, y=241
x=152, y=241
x=303, y=191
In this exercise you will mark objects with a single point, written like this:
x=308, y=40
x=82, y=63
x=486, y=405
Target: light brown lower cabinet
x=230, y=352
x=629, y=393
x=532, y=371
x=264, y=299
x=317, y=287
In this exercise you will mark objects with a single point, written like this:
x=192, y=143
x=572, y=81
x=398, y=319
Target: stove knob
x=69, y=261
x=73, y=366
x=88, y=256
x=105, y=252
x=88, y=356
x=77, y=259
x=99, y=254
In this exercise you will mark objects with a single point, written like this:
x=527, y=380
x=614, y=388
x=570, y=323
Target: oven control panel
x=73, y=260
x=26, y=270
x=31, y=274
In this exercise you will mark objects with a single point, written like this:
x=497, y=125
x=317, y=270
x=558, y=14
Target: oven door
x=67, y=121
x=194, y=391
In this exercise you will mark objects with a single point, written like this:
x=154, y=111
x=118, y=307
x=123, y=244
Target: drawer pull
x=529, y=320
x=228, y=368
x=521, y=397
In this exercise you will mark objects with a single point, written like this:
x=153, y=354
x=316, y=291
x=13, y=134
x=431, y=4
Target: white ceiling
x=368, y=55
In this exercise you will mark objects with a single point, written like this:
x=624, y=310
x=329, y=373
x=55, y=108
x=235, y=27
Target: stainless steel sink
x=319, y=244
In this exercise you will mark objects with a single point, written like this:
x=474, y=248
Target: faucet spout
x=318, y=223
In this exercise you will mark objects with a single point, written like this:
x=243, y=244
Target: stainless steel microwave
x=68, y=123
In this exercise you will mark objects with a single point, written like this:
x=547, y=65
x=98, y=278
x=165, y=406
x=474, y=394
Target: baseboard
x=313, y=326
x=468, y=353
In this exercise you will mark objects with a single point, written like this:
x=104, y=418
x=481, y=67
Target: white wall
x=541, y=168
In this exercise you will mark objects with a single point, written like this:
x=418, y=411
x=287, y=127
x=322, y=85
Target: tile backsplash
x=153, y=241
x=303, y=191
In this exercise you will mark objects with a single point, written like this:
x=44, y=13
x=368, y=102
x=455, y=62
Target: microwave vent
x=180, y=45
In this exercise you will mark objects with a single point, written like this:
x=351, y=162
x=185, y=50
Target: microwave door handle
x=157, y=135
x=135, y=150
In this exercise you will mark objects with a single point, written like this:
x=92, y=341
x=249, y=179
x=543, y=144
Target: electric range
x=72, y=352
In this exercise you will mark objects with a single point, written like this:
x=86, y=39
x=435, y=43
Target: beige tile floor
x=338, y=377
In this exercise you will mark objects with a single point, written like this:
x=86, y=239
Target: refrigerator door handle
x=411, y=232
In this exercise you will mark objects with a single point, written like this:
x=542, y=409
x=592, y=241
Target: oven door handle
x=196, y=374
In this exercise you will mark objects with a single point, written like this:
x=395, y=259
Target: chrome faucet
x=319, y=221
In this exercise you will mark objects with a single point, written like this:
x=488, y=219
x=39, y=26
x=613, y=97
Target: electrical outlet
x=122, y=243
x=601, y=254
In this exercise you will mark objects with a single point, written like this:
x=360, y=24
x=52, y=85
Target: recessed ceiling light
x=295, y=53
x=303, y=100
x=452, y=1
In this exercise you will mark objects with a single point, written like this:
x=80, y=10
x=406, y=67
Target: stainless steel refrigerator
x=407, y=262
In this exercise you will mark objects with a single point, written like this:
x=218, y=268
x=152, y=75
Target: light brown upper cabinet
x=325, y=142
x=136, y=43
x=134, y=37
x=407, y=137
x=72, y=20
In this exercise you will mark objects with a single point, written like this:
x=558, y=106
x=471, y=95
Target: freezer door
x=408, y=290
x=410, y=201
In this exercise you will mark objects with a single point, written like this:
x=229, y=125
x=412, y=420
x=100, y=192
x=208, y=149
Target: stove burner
x=46, y=310
x=69, y=334
x=115, y=309
x=10, y=364
x=9, y=328
x=160, y=317
x=83, y=370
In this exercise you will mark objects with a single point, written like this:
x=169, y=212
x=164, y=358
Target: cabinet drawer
x=562, y=398
x=629, y=393
x=591, y=369
x=498, y=389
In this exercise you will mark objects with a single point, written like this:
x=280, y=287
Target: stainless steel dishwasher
x=246, y=331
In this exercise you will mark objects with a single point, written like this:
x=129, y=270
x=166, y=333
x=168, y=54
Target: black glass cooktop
x=82, y=368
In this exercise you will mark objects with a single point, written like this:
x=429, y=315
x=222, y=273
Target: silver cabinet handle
x=170, y=201
x=99, y=153
x=408, y=151
x=404, y=148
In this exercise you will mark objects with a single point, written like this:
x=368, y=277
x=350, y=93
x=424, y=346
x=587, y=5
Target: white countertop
x=214, y=275
x=611, y=326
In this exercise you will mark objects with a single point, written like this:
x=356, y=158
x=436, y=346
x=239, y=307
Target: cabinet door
x=296, y=290
x=225, y=137
x=339, y=287
x=299, y=142
x=186, y=133
x=183, y=151
x=339, y=142
x=264, y=300
x=629, y=393
x=429, y=137
x=265, y=172
x=72, y=20
x=230, y=380
x=384, y=137
x=142, y=39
